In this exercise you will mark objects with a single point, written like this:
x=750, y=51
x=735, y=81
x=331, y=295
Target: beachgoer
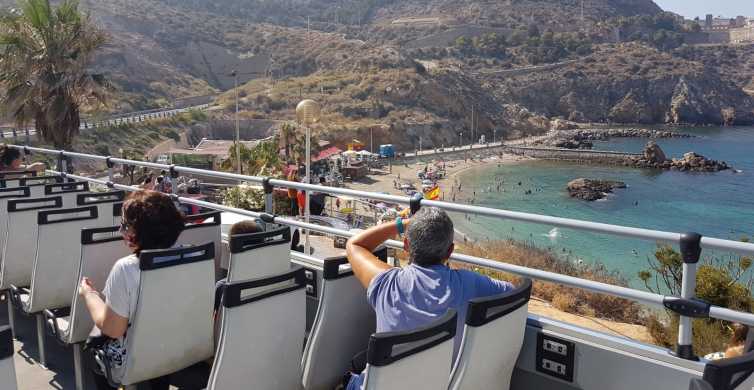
x=412, y=296
x=150, y=221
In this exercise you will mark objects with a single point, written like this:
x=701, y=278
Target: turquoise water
x=713, y=204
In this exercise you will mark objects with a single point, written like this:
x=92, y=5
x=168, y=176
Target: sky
x=693, y=8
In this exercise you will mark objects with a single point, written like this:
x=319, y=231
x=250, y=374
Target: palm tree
x=45, y=55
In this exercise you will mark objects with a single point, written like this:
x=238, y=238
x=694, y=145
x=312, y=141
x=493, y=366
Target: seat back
x=67, y=191
x=341, y=328
x=55, y=274
x=400, y=360
x=7, y=368
x=104, y=202
x=101, y=248
x=263, y=325
x=37, y=184
x=258, y=255
x=203, y=228
x=172, y=326
x=21, y=239
x=492, y=339
x=7, y=194
x=15, y=175
x=727, y=374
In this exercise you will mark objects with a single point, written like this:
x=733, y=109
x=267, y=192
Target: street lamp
x=238, y=130
x=307, y=114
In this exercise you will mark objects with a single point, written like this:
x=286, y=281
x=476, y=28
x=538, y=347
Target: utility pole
x=420, y=143
x=472, y=124
x=582, y=13
x=238, y=126
x=308, y=28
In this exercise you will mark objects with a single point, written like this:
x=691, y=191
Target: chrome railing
x=690, y=244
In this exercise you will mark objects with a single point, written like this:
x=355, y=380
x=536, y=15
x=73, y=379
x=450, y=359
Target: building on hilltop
x=743, y=34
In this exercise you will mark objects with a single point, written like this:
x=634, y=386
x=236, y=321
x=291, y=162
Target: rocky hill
x=421, y=67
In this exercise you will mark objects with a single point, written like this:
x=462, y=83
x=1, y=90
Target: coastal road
x=127, y=118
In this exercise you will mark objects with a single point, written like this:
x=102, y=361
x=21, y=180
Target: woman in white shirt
x=150, y=221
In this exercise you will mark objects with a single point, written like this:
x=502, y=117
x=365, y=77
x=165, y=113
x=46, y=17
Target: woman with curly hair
x=150, y=221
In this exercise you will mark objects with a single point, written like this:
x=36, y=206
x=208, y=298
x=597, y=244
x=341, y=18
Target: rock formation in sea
x=654, y=157
x=591, y=190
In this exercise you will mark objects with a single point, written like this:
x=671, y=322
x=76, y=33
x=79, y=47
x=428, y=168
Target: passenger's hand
x=86, y=286
x=37, y=166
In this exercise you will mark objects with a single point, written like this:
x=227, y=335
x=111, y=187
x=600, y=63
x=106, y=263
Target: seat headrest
x=233, y=293
x=39, y=180
x=6, y=342
x=331, y=268
x=91, y=236
x=200, y=220
x=727, y=374
x=50, y=217
x=52, y=202
x=65, y=188
x=100, y=197
x=15, y=192
x=245, y=242
x=487, y=309
x=15, y=174
x=163, y=258
x=381, y=345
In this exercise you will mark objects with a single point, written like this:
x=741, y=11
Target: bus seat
x=342, y=325
x=7, y=368
x=727, y=374
x=104, y=202
x=400, y=360
x=492, y=339
x=203, y=228
x=7, y=194
x=21, y=239
x=263, y=324
x=101, y=248
x=259, y=254
x=172, y=326
x=117, y=212
x=68, y=191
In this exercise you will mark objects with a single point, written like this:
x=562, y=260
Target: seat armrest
x=52, y=315
x=15, y=295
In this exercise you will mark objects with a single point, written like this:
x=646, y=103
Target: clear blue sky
x=693, y=8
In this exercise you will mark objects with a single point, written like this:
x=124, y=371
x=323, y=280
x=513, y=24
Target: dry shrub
x=564, y=302
x=569, y=299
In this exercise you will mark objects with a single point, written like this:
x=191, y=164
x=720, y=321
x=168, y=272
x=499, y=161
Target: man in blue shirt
x=410, y=297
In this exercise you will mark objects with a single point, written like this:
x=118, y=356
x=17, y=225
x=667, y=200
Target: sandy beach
x=384, y=180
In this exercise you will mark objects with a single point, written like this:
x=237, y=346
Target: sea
x=713, y=204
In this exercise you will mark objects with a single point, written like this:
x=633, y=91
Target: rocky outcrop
x=654, y=157
x=591, y=190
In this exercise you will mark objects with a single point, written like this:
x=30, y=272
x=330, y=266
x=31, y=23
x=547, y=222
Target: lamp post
x=238, y=130
x=307, y=114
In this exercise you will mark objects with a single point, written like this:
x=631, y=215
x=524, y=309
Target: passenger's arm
x=359, y=249
x=108, y=322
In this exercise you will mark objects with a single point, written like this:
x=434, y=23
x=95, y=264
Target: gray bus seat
x=68, y=191
x=203, y=228
x=55, y=267
x=401, y=360
x=21, y=239
x=104, y=202
x=342, y=325
x=7, y=194
x=492, y=339
x=172, y=326
x=7, y=368
x=257, y=255
x=727, y=374
x=15, y=175
x=263, y=324
x=101, y=248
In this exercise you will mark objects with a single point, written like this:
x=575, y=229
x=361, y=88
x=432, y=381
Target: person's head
x=429, y=237
x=10, y=158
x=245, y=227
x=150, y=221
x=740, y=332
x=322, y=180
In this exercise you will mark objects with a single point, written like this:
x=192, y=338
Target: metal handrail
x=635, y=295
x=596, y=227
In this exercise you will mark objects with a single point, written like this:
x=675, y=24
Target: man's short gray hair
x=430, y=235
